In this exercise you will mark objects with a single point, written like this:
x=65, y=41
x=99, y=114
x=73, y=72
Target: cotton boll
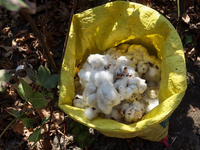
x=107, y=96
x=142, y=67
x=149, y=102
x=132, y=114
x=140, y=83
x=149, y=59
x=152, y=103
x=79, y=101
x=152, y=74
x=91, y=112
x=123, y=47
x=110, y=51
x=139, y=106
x=91, y=100
x=90, y=88
x=116, y=55
x=98, y=77
x=97, y=60
x=84, y=76
x=115, y=114
x=123, y=60
x=106, y=109
x=153, y=92
x=137, y=51
x=121, y=82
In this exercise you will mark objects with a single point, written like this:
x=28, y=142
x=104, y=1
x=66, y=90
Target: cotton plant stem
x=41, y=40
x=67, y=35
x=7, y=127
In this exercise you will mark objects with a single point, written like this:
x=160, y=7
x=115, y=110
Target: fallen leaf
x=6, y=64
x=19, y=128
x=5, y=30
x=9, y=49
x=186, y=18
x=58, y=117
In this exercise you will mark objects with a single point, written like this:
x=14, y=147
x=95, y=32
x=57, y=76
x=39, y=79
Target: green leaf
x=51, y=81
x=82, y=145
x=35, y=136
x=83, y=136
x=13, y=111
x=24, y=90
x=47, y=94
x=44, y=120
x=188, y=39
x=31, y=74
x=5, y=76
x=15, y=5
x=28, y=122
x=71, y=125
x=89, y=141
x=46, y=79
x=43, y=74
x=35, y=98
x=76, y=131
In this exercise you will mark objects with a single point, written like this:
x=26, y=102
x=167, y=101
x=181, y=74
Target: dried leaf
x=5, y=30
x=186, y=18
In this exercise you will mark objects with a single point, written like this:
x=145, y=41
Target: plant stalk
x=7, y=127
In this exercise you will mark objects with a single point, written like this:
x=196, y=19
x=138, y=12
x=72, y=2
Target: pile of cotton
x=122, y=84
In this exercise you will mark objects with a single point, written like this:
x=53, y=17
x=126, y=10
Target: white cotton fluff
x=134, y=112
x=115, y=114
x=79, y=101
x=125, y=71
x=153, y=74
x=140, y=83
x=91, y=100
x=142, y=67
x=107, y=97
x=150, y=103
x=84, y=76
x=89, y=94
x=91, y=112
x=153, y=92
x=97, y=60
x=97, y=77
x=124, y=60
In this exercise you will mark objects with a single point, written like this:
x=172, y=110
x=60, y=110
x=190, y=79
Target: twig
x=51, y=113
x=173, y=141
x=4, y=144
x=7, y=127
x=64, y=133
x=46, y=12
x=41, y=40
x=67, y=35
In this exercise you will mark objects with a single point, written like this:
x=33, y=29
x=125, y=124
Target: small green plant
x=81, y=134
x=44, y=80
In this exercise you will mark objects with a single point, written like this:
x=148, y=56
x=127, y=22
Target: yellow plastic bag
x=94, y=31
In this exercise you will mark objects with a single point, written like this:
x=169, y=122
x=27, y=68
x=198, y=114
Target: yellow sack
x=94, y=31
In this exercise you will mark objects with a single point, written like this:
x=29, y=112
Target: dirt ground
x=184, y=124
